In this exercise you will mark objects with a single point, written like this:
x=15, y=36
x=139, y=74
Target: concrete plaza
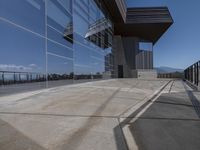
x=117, y=114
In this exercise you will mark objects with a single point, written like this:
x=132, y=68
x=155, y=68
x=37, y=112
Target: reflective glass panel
x=27, y=13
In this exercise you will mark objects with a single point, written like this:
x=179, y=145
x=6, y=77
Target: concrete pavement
x=170, y=123
x=91, y=116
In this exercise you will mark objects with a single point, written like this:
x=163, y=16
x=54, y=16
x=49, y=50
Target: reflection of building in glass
x=144, y=57
x=109, y=63
x=68, y=33
x=100, y=33
x=75, y=40
x=144, y=60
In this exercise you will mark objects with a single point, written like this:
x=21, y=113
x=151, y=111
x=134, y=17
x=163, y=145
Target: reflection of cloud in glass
x=79, y=65
x=12, y=67
x=33, y=65
x=20, y=68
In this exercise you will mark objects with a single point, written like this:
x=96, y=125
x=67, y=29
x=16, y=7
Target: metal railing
x=192, y=73
x=14, y=77
x=178, y=75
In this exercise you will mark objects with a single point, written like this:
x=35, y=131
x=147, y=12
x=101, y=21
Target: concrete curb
x=195, y=87
x=144, y=101
x=144, y=104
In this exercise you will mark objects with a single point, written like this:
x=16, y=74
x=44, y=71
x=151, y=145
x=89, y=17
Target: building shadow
x=13, y=139
x=171, y=122
x=193, y=99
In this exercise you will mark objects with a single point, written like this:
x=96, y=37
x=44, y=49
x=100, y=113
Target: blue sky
x=179, y=47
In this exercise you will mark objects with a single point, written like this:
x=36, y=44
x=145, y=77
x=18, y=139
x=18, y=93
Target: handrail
x=14, y=77
x=192, y=73
x=18, y=72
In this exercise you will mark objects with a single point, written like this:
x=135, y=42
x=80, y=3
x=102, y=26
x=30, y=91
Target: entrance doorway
x=120, y=71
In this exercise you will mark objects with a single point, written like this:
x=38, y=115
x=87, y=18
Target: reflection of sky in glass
x=34, y=4
x=89, y=58
x=59, y=65
x=66, y=4
x=23, y=39
x=20, y=50
x=145, y=46
x=53, y=12
x=25, y=14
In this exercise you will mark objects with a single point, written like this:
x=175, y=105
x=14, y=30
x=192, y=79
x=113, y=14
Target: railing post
x=19, y=77
x=195, y=73
x=14, y=78
x=3, y=78
x=26, y=77
x=31, y=77
x=198, y=72
x=191, y=74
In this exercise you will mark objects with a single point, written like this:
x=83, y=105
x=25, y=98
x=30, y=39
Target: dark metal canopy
x=148, y=23
x=116, y=9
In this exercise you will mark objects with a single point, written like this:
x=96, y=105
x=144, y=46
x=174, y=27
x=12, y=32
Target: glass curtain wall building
x=46, y=43
x=54, y=42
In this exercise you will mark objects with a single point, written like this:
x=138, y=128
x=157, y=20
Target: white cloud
x=79, y=65
x=13, y=67
x=33, y=65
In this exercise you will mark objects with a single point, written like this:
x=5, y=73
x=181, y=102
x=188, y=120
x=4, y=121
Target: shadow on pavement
x=78, y=136
x=119, y=138
x=170, y=123
x=194, y=100
x=12, y=139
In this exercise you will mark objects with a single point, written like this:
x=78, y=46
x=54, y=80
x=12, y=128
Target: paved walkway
x=105, y=115
x=171, y=122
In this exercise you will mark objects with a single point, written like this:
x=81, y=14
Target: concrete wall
x=126, y=49
x=131, y=49
x=126, y=54
x=147, y=74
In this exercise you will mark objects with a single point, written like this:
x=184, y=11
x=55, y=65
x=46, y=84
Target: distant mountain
x=164, y=69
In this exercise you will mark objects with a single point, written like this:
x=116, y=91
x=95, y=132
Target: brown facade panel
x=148, y=23
x=148, y=15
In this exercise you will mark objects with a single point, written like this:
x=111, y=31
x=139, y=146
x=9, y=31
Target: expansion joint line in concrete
x=159, y=118
x=58, y=115
x=133, y=104
x=171, y=86
x=146, y=100
x=124, y=125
